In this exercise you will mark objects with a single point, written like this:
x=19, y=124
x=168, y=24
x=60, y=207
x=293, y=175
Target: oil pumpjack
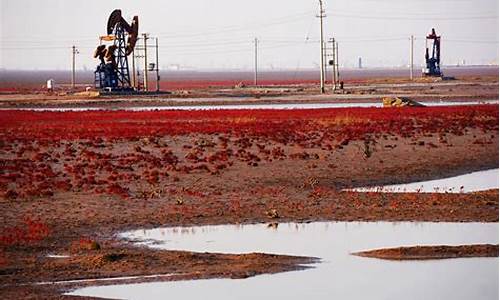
x=113, y=71
x=433, y=63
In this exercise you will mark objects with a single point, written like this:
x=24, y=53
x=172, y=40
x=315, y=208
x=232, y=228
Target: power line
x=230, y=46
x=241, y=28
x=426, y=14
x=36, y=39
x=471, y=41
x=40, y=48
x=406, y=18
x=177, y=34
x=372, y=40
x=237, y=50
x=305, y=41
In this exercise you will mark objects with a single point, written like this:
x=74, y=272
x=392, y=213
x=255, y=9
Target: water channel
x=247, y=106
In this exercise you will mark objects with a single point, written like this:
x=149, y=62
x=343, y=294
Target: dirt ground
x=280, y=186
x=432, y=252
x=467, y=88
x=283, y=196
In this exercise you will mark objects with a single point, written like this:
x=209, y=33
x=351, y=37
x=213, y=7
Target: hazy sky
x=38, y=34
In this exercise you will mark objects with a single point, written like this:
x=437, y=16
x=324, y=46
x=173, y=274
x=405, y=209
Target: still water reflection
x=471, y=182
x=339, y=275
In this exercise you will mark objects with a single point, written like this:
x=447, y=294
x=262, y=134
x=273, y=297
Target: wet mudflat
x=339, y=274
x=70, y=173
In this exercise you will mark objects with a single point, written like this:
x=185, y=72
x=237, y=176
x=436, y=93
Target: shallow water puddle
x=250, y=106
x=301, y=105
x=339, y=275
x=472, y=182
x=57, y=256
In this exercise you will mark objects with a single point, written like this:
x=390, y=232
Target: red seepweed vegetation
x=28, y=233
x=46, y=152
x=279, y=125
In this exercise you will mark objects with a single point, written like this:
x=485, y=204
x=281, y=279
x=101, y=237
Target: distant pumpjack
x=113, y=70
x=433, y=63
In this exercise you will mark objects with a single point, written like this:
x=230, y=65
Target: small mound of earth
x=432, y=252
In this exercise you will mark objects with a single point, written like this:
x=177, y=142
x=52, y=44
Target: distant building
x=173, y=67
x=360, y=63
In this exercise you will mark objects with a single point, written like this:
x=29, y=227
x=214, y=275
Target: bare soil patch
x=432, y=252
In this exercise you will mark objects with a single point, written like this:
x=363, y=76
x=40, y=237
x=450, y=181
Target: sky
x=219, y=34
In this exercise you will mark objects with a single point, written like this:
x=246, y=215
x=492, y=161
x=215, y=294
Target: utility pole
x=337, y=58
x=157, y=69
x=74, y=53
x=322, y=56
x=145, y=36
x=411, y=57
x=334, y=69
x=325, y=61
x=256, y=42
